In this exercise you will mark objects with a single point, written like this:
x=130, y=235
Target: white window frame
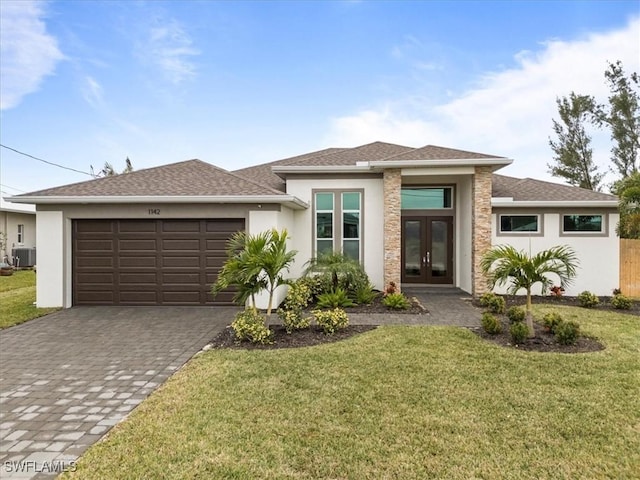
x=20, y=234
x=315, y=221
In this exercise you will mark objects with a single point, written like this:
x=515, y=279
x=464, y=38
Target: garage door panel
x=96, y=297
x=95, y=262
x=143, y=245
x=139, y=297
x=138, y=278
x=138, y=261
x=181, y=245
x=137, y=227
x=150, y=262
x=181, y=261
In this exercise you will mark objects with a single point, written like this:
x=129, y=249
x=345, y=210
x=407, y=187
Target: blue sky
x=240, y=83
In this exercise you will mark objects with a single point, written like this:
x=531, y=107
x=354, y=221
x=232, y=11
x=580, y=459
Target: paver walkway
x=446, y=307
x=67, y=378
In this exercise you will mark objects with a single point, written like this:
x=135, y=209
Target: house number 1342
x=154, y=211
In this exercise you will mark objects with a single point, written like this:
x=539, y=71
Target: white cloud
x=27, y=52
x=92, y=92
x=168, y=47
x=508, y=112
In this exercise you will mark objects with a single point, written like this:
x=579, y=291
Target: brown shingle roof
x=433, y=152
x=323, y=158
x=188, y=178
x=529, y=189
x=262, y=173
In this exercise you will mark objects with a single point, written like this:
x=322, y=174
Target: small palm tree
x=504, y=263
x=255, y=263
x=336, y=265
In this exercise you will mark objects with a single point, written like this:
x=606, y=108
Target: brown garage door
x=149, y=262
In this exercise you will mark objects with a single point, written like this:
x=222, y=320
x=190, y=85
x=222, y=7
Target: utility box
x=23, y=257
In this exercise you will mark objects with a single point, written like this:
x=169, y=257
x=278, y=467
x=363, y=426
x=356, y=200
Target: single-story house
x=17, y=231
x=419, y=216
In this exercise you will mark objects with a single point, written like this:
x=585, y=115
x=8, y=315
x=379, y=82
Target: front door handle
x=428, y=258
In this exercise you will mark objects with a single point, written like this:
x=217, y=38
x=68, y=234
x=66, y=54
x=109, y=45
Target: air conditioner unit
x=23, y=257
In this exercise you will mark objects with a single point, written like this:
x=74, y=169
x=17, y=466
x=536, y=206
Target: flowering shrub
x=331, y=320
x=298, y=296
x=293, y=320
x=249, y=325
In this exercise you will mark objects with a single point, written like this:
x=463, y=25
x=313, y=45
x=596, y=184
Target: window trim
x=21, y=234
x=338, y=236
x=359, y=212
x=602, y=233
x=538, y=233
x=316, y=211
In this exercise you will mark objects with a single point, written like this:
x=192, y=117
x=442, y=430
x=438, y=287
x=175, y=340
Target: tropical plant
x=365, y=295
x=516, y=314
x=551, y=320
x=335, y=298
x=396, y=301
x=519, y=332
x=621, y=302
x=567, y=333
x=255, y=263
x=504, y=264
x=293, y=320
x=338, y=270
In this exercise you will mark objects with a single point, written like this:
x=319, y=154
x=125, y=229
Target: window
x=426, y=198
x=20, y=234
x=324, y=222
x=338, y=217
x=582, y=223
x=519, y=223
x=351, y=224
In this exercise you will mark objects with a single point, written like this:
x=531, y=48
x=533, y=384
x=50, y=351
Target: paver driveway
x=67, y=378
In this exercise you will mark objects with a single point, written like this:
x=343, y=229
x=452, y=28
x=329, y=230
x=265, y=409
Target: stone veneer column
x=392, y=211
x=481, y=241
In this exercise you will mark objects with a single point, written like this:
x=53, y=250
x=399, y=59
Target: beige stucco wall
x=599, y=256
x=9, y=222
x=372, y=221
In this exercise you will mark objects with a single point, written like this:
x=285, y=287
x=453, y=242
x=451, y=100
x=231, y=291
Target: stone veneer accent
x=392, y=230
x=481, y=241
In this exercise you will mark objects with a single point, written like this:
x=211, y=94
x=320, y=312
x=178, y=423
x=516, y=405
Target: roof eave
x=497, y=163
x=287, y=200
x=284, y=169
x=508, y=202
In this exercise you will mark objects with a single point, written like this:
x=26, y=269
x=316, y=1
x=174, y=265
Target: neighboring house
x=414, y=216
x=17, y=230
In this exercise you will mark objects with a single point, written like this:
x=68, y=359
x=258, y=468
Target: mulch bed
x=542, y=342
x=281, y=339
x=605, y=303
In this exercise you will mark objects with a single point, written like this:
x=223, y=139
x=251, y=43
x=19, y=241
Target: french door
x=427, y=250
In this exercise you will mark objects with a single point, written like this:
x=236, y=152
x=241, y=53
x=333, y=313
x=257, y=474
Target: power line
x=12, y=188
x=45, y=161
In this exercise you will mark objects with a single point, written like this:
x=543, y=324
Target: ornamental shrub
x=293, y=320
x=621, y=302
x=396, y=301
x=516, y=314
x=495, y=303
x=490, y=323
x=334, y=299
x=298, y=296
x=365, y=295
x=567, y=332
x=249, y=325
x=331, y=320
x=588, y=300
x=551, y=320
x=519, y=332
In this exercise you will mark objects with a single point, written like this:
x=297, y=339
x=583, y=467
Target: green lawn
x=397, y=402
x=17, y=297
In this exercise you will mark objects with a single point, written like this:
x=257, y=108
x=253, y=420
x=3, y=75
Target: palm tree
x=337, y=266
x=504, y=263
x=255, y=263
